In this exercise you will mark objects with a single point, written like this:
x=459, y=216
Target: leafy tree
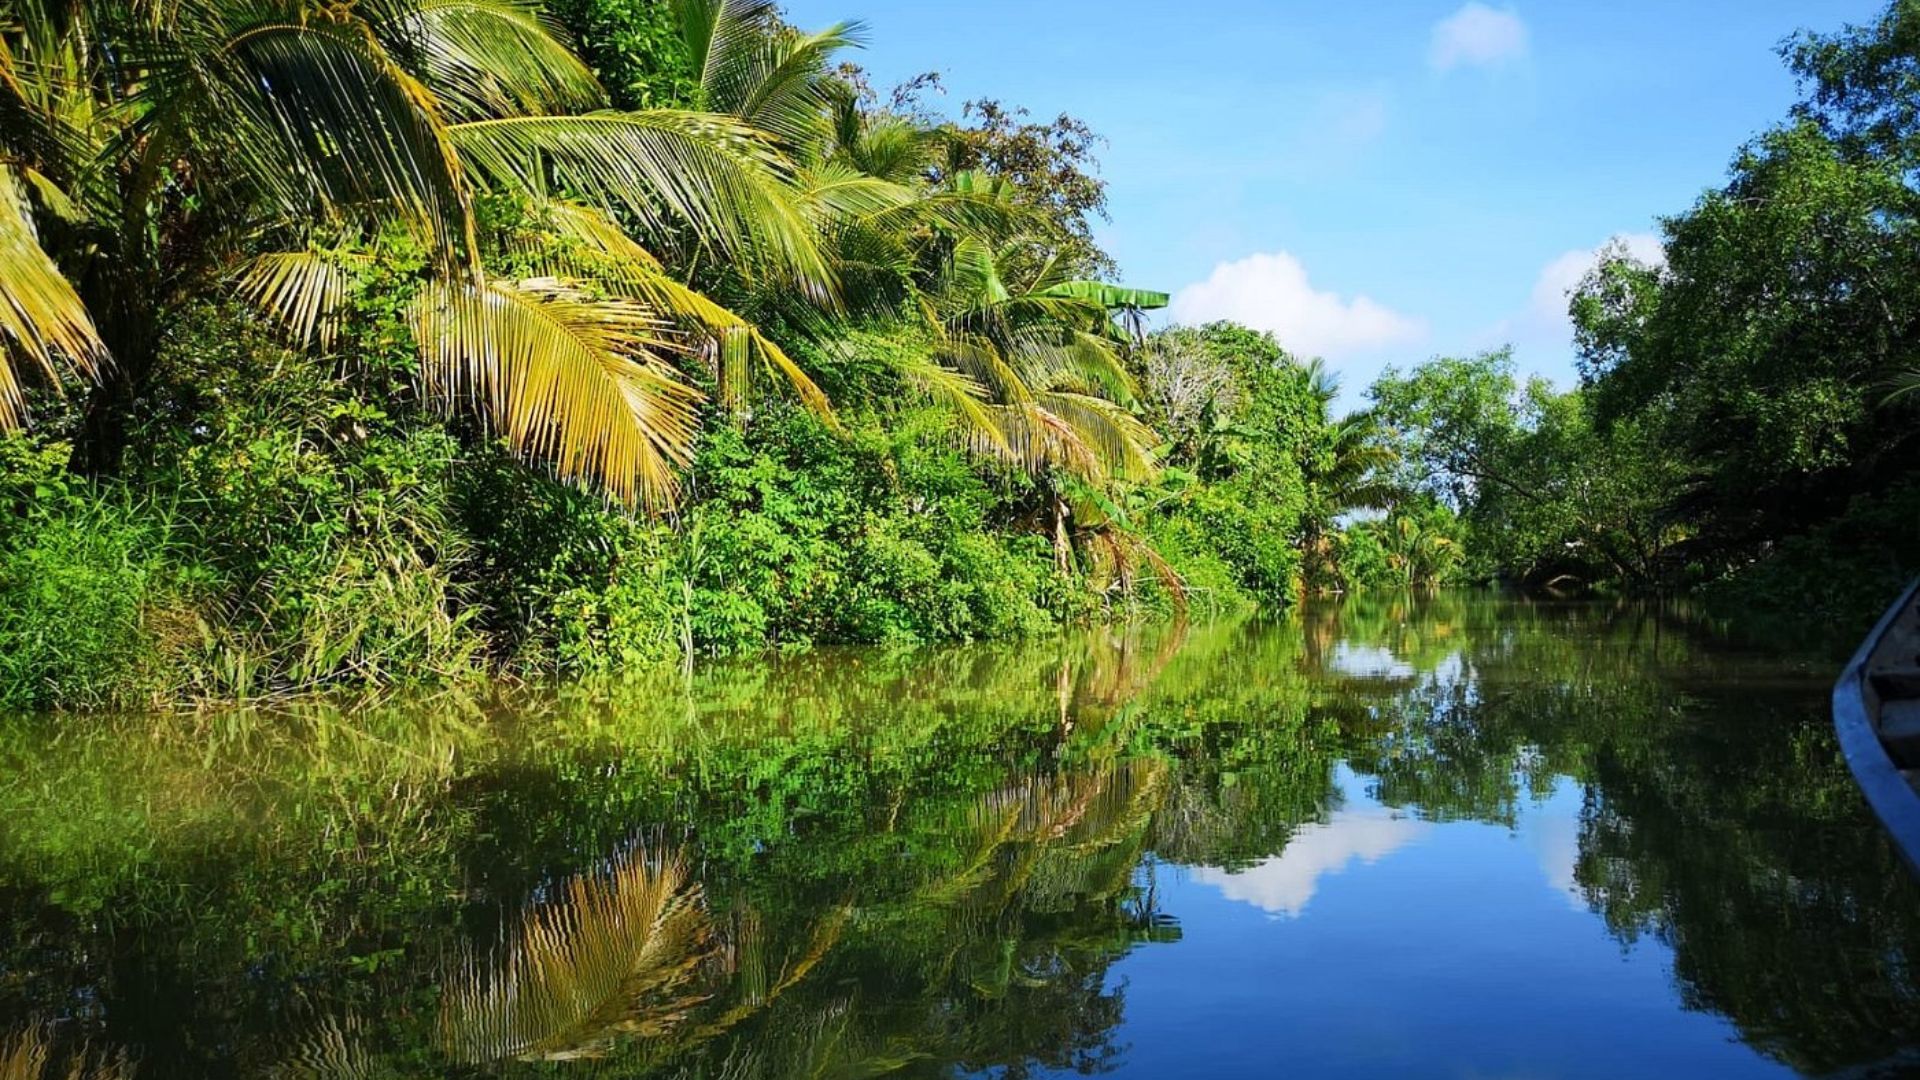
x=1547, y=493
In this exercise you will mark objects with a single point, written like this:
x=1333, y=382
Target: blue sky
x=1377, y=181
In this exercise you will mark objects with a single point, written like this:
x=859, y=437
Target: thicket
x=398, y=342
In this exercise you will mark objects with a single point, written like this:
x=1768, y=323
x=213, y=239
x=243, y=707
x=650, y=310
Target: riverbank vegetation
x=394, y=342
x=404, y=341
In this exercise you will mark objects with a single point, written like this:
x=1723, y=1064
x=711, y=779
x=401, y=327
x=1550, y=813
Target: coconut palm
x=1345, y=465
x=151, y=149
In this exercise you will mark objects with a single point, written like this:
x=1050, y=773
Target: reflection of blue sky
x=1381, y=944
x=1369, y=661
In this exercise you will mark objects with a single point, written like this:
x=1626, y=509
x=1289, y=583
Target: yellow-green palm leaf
x=42, y=320
x=665, y=168
x=571, y=380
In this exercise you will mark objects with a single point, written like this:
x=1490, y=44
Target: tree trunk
x=1062, y=542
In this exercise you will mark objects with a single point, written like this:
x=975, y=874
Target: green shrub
x=80, y=574
x=318, y=523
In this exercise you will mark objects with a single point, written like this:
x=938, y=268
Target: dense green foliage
x=750, y=358
x=1739, y=425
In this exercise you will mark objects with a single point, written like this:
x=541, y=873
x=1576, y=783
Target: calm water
x=1463, y=837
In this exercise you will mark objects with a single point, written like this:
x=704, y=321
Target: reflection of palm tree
x=615, y=953
x=28, y=1054
x=331, y=1050
x=1057, y=823
x=628, y=951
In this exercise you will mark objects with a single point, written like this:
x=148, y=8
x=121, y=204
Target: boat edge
x=1894, y=800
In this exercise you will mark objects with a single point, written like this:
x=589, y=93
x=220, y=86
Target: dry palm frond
x=615, y=953
x=42, y=319
x=570, y=380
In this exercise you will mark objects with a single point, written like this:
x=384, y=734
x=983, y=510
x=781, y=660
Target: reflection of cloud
x=1285, y=883
x=1369, y=661
x=1553, y=832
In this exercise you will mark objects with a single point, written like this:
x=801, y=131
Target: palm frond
x=616, y=262
x=781, y=87
x=304, y=291
x=569, y=380
x=961, y=395
x=1901, y=386
x=319, y=110
x=1035, y=440
x=666, y=168
x=1121, y=442
x=43, y=321
x=486, y=58
x=1076, y=360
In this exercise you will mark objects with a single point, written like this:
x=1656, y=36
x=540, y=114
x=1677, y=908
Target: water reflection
x=1455, y=835
x=1285, y=883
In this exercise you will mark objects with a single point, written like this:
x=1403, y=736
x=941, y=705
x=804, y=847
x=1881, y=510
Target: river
x=1458, y=836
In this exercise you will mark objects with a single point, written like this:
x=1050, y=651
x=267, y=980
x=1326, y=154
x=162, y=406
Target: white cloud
x=1272, y=292
x=1285, y=884
x=1477, y=36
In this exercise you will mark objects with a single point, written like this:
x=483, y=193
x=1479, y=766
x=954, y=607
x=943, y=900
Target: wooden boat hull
x=1876, y=713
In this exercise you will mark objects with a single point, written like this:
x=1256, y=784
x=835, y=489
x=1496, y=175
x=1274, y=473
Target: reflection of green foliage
x=923, y=860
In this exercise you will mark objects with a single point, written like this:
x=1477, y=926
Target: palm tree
x=151, y=149
x=1345, y=467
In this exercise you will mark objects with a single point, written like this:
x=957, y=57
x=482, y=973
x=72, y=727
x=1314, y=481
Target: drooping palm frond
x=1051, y=357
x=596, y=249
x=1036, y=440
x=570, y=380
x=43, y=323
x=961, y=395
x=666, y=168
x=304, y=291
x=489, y=58
x=615, y=953
x=320, y=112
x=1123, y=445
